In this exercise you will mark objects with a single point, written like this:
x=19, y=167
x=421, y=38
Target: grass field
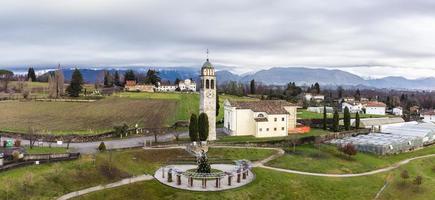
x=49, y=181
x=304, y=114
x=52, y=180
x=329, y=160
x=252, y=139
x=44, y=150
x=84, y=118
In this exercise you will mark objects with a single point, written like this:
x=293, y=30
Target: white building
x=187, y=85
x=353, y=107
x=375, y=108
x=314, y=97
x=268, y=118
x=428, y=116
x=397, y=111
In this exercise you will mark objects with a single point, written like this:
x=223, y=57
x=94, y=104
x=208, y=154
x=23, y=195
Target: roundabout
x=226, y=176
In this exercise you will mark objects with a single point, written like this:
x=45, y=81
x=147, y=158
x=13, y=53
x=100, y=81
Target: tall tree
x=177, y=80
x=324, y=117
x=218, y=106
x=357, y=120
x=357, y=95
x=252, y=86
x=59, y=81
x=5, y=78
x=108, y=79
x=340, y=92
x=317, y=88
x=129, y=76
x=76, y=85
x=31, y=74
x=203, y=127
x=335, y=122
x=346, y=118
x=152, y=77
x=116, y=79
x=193, y=128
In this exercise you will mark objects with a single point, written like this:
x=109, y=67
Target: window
x=275, y=119
x=282, y=128
x=282, y=119
x=274, y=129
x=260, y=115
x=267, y=129
x=207, y=84
x=212, y=84
x=261, y=129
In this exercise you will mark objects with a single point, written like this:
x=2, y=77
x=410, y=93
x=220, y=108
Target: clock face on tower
x=210, y=94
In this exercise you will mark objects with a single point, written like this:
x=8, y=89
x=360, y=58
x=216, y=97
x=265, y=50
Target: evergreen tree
x=31, y=74
x=152, y=77
x=357, y=120
x=335, y=122
x=203, y=127
x=324, y=117
x=129, y=76
x=252, y=85
x=177, y=80
x=357, y=95
x=76, y=85
x=218, y=106
x=108, y=79
x=193, y=128
x=203, y=165
x=340, y=92
x=317, y=88
x=116, y=79
x=346, y=119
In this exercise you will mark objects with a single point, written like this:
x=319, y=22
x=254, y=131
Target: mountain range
x=272, y=76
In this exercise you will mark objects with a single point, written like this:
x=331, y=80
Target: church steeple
x=208, y=96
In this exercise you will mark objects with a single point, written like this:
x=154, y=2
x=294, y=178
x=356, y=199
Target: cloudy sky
x=371, y=38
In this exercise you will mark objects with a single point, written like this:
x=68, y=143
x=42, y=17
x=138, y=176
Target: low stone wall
x=29, y=159
x=76, y=138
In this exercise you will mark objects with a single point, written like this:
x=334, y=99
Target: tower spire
x=207, y=54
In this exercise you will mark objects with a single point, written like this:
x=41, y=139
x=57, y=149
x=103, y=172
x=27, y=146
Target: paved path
x=91, y=147
x=122, y=182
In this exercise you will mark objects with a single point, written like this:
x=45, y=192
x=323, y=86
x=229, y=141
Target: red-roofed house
x=428, y=115
x=375, y=108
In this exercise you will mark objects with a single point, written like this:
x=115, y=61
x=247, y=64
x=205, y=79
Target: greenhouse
x=425, y=131
x=381, y=144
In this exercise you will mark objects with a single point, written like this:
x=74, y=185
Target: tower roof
x=207, y=65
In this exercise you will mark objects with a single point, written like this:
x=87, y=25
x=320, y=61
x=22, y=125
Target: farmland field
x=84, y=118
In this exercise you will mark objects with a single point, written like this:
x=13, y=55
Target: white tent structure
x=425, y=131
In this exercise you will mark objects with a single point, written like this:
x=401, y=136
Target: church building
x=268, y=118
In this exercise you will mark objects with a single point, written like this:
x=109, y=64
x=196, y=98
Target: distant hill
x=273, y=76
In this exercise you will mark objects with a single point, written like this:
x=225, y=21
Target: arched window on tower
x=202, y=83
x=212, y=84
x=207, y=84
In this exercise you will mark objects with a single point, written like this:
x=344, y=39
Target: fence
x=29, y=159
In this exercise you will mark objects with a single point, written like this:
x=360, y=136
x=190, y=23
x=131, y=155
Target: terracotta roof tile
x=268, y=106
x=375, y=104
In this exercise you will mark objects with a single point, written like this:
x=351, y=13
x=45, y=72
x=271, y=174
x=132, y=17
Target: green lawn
x=252, y=139
x=44, y=150
x=304, y=114
x=48, y=181
x=240, y=153
x=329, y=160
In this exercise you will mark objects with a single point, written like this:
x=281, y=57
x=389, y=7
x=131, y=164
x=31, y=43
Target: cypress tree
x=193, y=128
x=76, y=85
x=346, y=119
x=335, y=122
x=253, y=87
x=31, y=74
x=116, y=79
x=324, y=117
x=357, y=120
x=203, y=127
x=218, y=106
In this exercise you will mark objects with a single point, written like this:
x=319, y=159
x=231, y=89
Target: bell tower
x=208, y=97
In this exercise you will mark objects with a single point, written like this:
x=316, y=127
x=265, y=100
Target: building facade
x=269, y=118
x=375, y=108
x=207, y=93
x=133, y=86
x=428, y=116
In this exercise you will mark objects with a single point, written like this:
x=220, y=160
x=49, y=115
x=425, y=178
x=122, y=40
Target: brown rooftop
x=428, y=112
x=375, y=104
x=268, y=106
